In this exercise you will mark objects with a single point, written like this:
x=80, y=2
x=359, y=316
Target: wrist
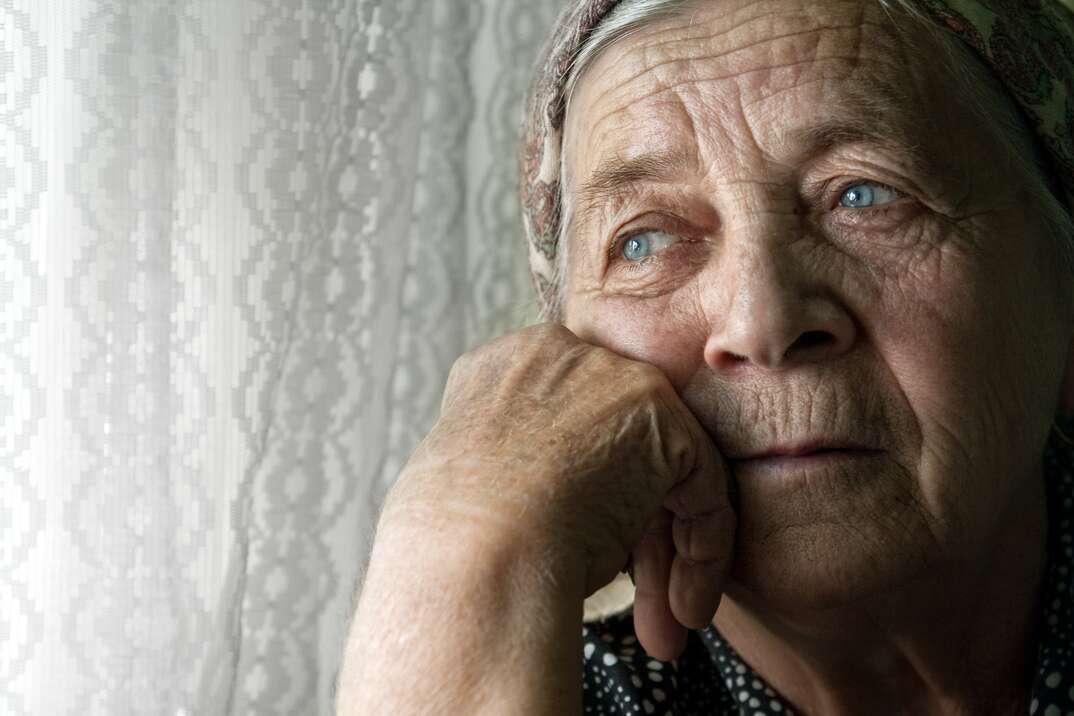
x=459, y=546
x=431, y=595
x=499, y=530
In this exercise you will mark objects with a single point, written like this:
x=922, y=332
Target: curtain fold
x=242, y=244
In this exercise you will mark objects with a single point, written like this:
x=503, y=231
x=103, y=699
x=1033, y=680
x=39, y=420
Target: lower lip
x=788, y=464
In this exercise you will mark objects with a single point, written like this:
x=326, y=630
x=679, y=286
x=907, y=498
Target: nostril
x=809, y=339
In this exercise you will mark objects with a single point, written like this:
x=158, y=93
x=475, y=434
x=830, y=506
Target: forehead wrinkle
x=706, y=54
x=864, y=110
x=678, y=86
x=861, y=112
x=803, y=34
x=785, y=17
x=723, y=20
x=639, y=48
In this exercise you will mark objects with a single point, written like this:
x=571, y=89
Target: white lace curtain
x=242, y=243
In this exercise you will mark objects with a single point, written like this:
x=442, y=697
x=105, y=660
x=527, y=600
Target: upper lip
x=799, y=449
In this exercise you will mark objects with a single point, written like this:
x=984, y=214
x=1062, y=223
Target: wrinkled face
x=795, y=215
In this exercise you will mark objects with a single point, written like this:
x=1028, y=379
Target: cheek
x=661, y=332
x=951, y=331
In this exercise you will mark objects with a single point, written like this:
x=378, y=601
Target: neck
x=955, y=642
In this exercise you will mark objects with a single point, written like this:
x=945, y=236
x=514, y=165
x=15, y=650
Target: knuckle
x=460, y=369
x=534, y=342
x=697, y=498
x=683, y=504
x=647, y=378
x=705, y=539
x=547, y=332
x=650, y=374
x=487, y=354
x=658, y=529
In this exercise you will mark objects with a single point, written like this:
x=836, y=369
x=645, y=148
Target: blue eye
x=641, y=246
x=636, y=248
x=867, y=194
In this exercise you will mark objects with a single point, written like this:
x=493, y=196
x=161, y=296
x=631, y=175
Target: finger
x=659, y=633
x=702, y=491
x=703, y=546
x=703, y=534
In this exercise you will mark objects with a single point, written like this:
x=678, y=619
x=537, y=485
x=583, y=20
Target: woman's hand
x=585, y=456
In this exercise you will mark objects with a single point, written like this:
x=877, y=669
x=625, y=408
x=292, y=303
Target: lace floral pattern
x=243, y=243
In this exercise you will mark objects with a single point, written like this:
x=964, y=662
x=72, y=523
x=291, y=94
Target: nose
x=775, y=315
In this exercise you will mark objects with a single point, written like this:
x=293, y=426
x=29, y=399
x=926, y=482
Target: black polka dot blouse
x=710, y=678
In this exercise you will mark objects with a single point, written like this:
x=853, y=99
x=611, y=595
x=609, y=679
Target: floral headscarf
x=1029, y=44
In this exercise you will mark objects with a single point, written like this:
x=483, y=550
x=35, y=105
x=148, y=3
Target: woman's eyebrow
x=817, y=139
x=618, y=176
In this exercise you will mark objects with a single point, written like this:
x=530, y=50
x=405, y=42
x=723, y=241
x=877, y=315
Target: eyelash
x=875, y=211
x=635, y=266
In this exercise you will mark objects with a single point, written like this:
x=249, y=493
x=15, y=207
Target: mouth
x=806, y=453
x=807, y=460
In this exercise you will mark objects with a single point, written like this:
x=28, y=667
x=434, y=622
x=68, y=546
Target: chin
x=810, y=571
x=836, y=540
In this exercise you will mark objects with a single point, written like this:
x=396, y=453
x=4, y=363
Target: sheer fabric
x=242, y=243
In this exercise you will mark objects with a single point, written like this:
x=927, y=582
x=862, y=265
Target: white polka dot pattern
x=710, y=678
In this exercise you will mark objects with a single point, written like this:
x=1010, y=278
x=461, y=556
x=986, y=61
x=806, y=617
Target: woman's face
x=791, y=213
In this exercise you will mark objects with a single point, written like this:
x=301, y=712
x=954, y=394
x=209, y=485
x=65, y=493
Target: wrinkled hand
x=592, y=455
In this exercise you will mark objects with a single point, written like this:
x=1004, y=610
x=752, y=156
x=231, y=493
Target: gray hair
x=987, y=96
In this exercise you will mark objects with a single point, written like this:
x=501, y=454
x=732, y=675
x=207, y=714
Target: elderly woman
x=808, y=273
